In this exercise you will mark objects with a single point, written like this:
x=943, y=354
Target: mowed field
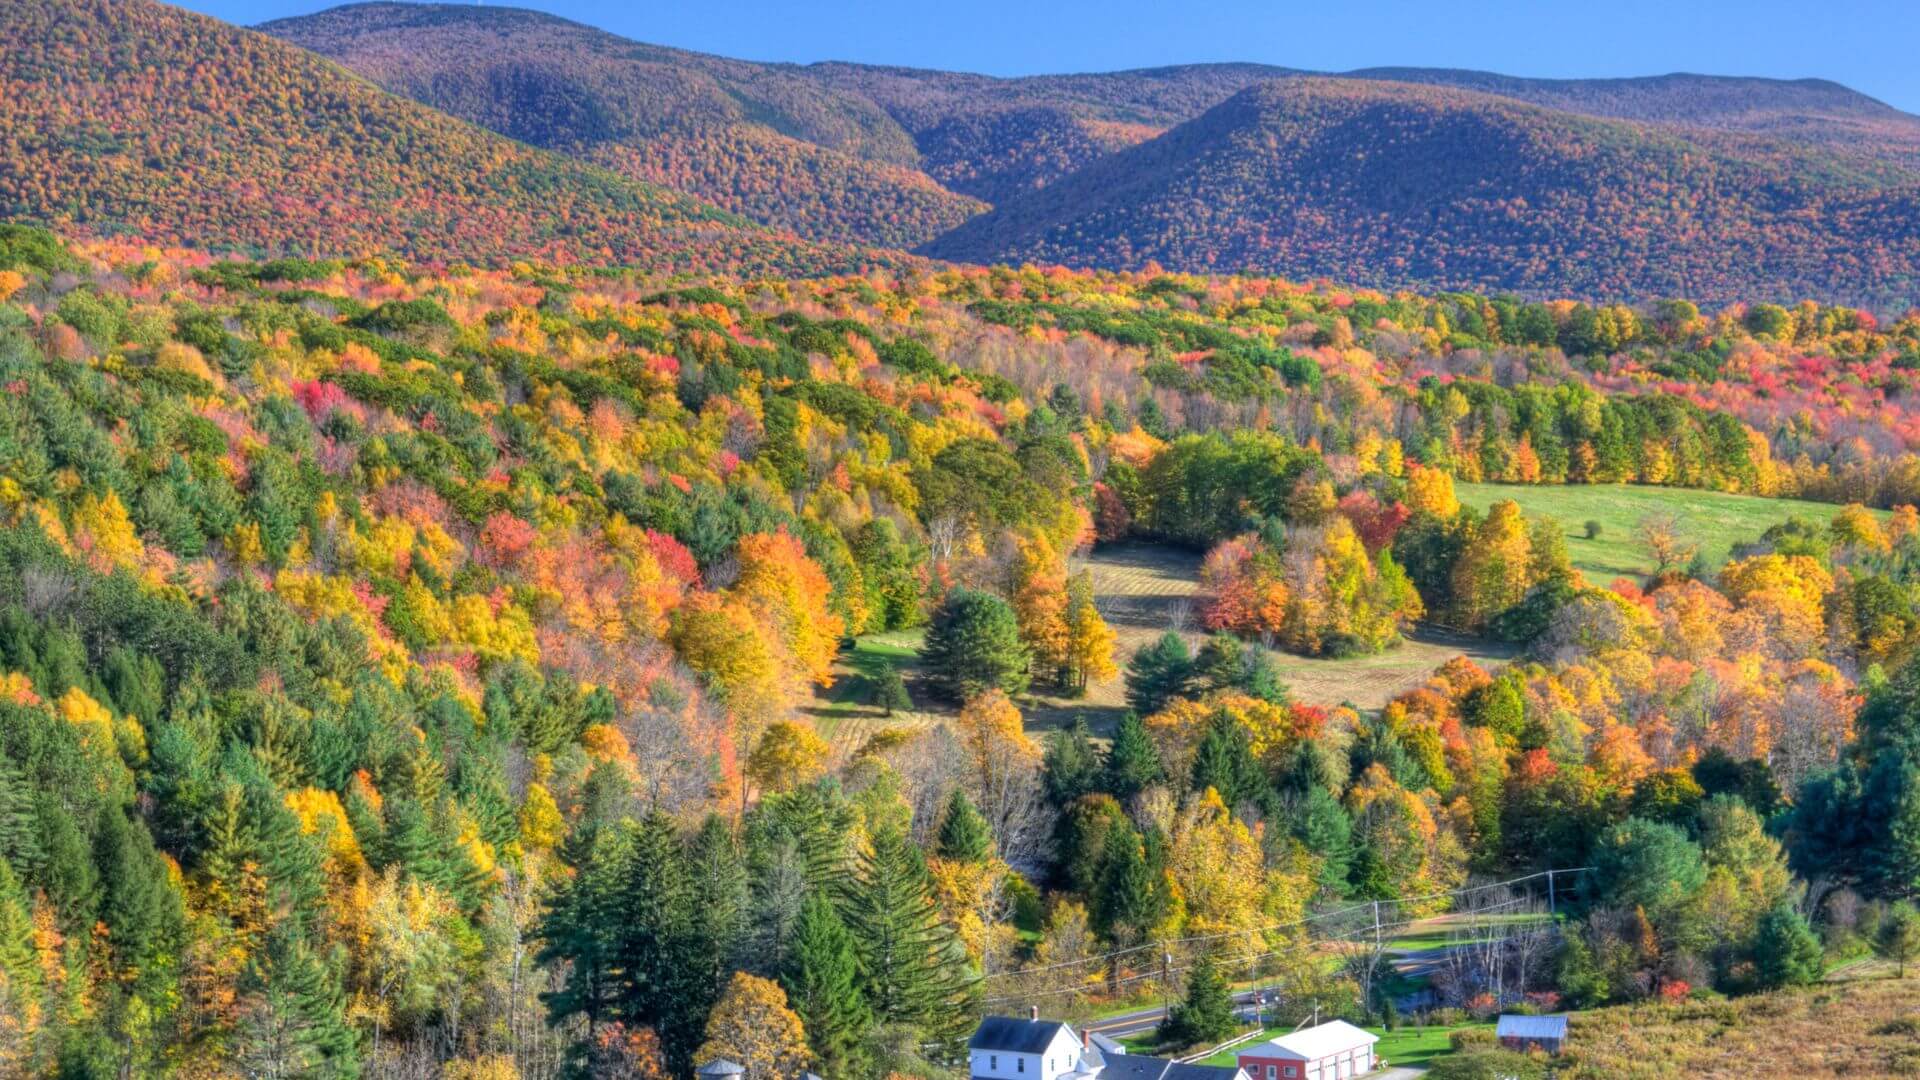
x=1142, y=591
x=1713, y=520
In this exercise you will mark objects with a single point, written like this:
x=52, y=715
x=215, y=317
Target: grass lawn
x=1403, y=1046
x=1416, y=1047
x=1714, y=520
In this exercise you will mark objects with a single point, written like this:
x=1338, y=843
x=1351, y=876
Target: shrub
x=1593, y=529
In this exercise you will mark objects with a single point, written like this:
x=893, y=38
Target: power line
x=1295, y=924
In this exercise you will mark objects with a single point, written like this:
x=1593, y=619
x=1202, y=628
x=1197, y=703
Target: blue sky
x=1866, y=44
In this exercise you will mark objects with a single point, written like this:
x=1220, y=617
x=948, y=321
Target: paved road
x=1144, y=1020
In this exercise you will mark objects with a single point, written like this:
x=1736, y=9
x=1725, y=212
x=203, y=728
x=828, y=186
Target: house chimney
x=1033, y=1011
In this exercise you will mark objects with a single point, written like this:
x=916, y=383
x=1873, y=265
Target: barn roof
x=1315, y=1042
x=1531, y=1027
x=1010, y=1036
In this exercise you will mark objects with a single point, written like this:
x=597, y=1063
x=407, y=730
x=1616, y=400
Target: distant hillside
x=1000, y=138
x=765, y=141
x=140, y=118
x=1394, y=183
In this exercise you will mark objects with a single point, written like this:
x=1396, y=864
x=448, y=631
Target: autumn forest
x=598, y=567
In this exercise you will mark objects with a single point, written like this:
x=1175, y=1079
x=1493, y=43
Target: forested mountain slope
x=764, y=140
x=1394, y=183
x=141, y=118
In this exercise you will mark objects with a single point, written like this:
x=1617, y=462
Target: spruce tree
x=1071, y=767
x=718, y=874
x=1898, y=939
x=822, y=980
x=890, y=691
x=973, y=645
x=578, y=930
x=913, y=968
x=1159, y=673
x=1127, y=901
x=1785, y=952
x=1322, y=826
x=1224, y=762
x=1133, y=764
x=655, y=944
x=293, y=1022
x=1205, y=1014
x=964, y=836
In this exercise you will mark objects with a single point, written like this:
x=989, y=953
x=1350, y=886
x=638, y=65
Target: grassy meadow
x=1713, y=520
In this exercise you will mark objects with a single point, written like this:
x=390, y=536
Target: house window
x=1020, y=1065
x=1290, y=1071
x=994, y=1062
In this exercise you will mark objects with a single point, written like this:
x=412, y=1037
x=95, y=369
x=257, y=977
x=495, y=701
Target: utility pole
x=1166, y=984
x=1552, y=908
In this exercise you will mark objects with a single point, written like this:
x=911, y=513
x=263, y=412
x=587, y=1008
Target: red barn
x=1333, y=1051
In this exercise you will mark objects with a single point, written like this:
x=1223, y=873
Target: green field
x=1713, y=520
x=1403, y=1046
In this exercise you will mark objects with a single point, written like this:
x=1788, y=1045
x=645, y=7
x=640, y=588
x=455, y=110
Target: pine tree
x=654, y=942
x=1072, y=766
x=293, y=1021
x=1786, y=953
x=1205, y=1015
x=965, y=835
x=1898, y=939
x=1127, y=901
x=1322, y=826
x=19, y=842
x=822, y=979
x=913, y=968
x=1159, y=673
x=1224, y=762
x=890, y=691
x=718, y=877
x=973, y=645
x=578, y=930
x=1133, y=764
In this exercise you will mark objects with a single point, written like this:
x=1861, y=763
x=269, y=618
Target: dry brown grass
x=1856, y=1029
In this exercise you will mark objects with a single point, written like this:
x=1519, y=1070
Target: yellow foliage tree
x=788, y=755
x=541, y=826
x=1090, y=640
x=1430, y=491
x=752, y=1026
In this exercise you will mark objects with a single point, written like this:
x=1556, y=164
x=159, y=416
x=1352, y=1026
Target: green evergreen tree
x=655, y=942
x=1071, y=766
x=913, y=969
x=1322, y=826
x=1159, y=673
x=578, y=930
x=1205, y=1014
x=1224, y=762
x=1898, y=938
x=292, y=1023
x=1133, y=764
x=890, y=690
x=822, y=979
x=973, y=645
x=965, y=835
x=718, y=879
x=1127, y=901
x=1785, y=950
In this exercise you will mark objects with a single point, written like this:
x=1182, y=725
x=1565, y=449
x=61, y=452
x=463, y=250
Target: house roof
x=720, y=1067
x=1136, y=1067
x=1315, y=1042
x=1010, y=1036
x=1531, y=1027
